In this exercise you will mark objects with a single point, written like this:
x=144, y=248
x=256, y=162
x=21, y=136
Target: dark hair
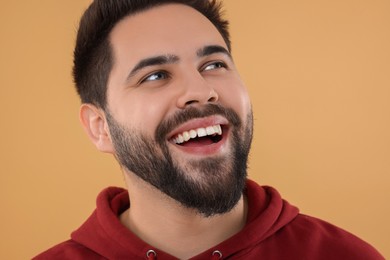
x=93, y=59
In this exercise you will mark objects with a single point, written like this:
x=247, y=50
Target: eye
x=158, y=75
x=214, y=65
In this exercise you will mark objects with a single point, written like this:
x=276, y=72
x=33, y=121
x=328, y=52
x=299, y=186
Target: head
x=161, y=92
x=93, y=57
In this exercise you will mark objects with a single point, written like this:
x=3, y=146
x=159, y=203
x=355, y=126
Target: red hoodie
x=274, y=230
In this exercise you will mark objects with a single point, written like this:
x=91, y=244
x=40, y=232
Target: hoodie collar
x=104, y=233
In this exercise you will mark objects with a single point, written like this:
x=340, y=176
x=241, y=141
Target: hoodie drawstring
x=152, y=255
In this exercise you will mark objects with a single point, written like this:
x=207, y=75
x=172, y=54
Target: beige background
x=319, y=77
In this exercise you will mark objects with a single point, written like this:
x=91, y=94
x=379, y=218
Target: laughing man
x=160, y=91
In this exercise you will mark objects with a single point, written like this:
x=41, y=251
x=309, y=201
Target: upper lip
x=196, y=123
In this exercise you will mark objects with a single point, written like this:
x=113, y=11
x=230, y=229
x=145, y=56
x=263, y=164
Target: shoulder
x=68, y=250
x=322, y=237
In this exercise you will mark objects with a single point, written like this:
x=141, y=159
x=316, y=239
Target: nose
x=195, y=90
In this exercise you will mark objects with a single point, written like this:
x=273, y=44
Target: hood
x=105, y=235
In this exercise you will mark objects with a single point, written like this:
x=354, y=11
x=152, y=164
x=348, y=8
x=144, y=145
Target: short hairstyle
x=93, y=55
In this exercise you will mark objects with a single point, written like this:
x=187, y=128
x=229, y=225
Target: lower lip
x=204, y=150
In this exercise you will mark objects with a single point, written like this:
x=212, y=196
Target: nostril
x=213, y=96
x=197, y=97
x=190, y=102
x=212, y=99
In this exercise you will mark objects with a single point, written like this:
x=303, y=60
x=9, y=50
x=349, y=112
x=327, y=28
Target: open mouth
x=199, y=136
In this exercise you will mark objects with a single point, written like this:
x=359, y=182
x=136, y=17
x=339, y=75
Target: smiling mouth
x=199, y=136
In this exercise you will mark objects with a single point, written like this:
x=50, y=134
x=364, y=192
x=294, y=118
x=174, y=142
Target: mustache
x=193, y=112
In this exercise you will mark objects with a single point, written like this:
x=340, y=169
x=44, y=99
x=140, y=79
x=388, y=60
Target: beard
x=210, y=186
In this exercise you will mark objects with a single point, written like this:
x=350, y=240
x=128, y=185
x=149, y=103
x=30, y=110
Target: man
x=160, y=92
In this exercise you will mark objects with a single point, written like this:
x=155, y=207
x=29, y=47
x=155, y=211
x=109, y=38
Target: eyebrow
x=153, y=61
x=212, y=49
x=170, y=58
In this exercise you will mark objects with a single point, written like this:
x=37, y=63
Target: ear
x=96, y=127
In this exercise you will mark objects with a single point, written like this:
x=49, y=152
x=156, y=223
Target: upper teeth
x=199, y=132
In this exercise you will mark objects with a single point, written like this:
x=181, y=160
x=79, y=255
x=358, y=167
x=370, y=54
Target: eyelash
x=160, y=72
x=217, y=64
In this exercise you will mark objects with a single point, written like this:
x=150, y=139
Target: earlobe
x=95, y=125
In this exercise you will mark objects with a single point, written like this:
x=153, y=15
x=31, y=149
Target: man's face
x=178, y=112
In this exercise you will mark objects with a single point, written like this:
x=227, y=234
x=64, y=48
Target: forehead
x=170, y=28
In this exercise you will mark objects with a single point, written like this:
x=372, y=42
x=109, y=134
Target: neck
x=163, y=223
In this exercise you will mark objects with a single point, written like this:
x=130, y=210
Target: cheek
x=234, y=94
x=147, y=114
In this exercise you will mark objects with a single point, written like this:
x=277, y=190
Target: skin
x=144, y=99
